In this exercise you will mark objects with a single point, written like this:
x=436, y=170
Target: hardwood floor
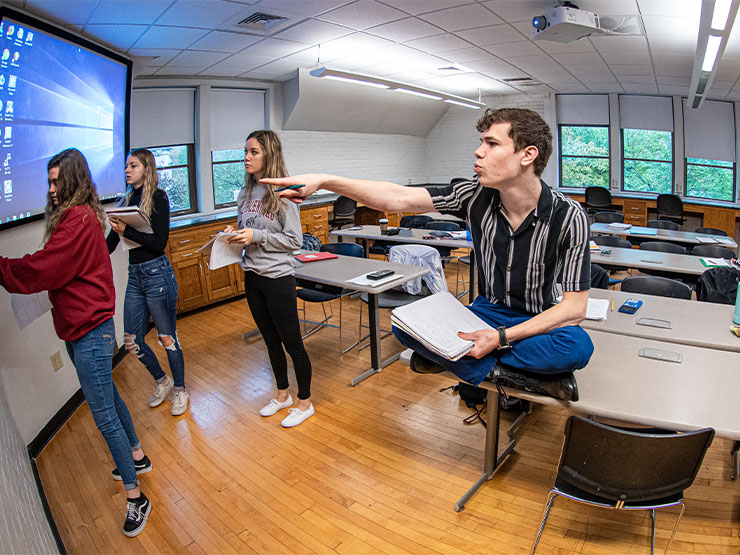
x=376, y=470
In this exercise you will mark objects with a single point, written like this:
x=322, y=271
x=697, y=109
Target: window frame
x=561, y=155
x=190, y=165
x=685, y=194
x=672, y=162
x=216, y=205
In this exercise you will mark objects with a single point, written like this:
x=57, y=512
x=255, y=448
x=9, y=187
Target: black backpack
x=718, y=285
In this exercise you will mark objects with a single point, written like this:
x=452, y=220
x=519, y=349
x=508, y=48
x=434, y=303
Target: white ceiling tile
x=640, y=88
x=131, y=11
x=521, y=10
x=314, y=31
x=575, y=47
x=494, y=34
x=590, y=70
x=363, y=14
x=618, y=44
x=308, y=56
x=718, y=85
x=120, y=36
x=726, y=74
x=468, y=16
x=74, y=13
x=669, y=80
x=575, y=60
x=405, y=30
x=169, y=37
x=601, y=79
x=275, y=48
x=296, y=7
x=574, y=89
x=463, y=55
x=524, y=48
x=183, y=71
x=161, y=55
x=683, y=45
x=218, y=41
x=439, y=43
x=602, y=88
x=408, y=76
x=632, y=57
x=624, y=69
x=675, y=71
x=636, y=79
x=610, y=7
x=357, y=44
x=244, y=62
x=673, y=89
x=532, y=62
x=416, y=7
x=692, y=8
x=671, y=26
x=194, y=58
x=221, y=71
x=196, y=13
x=556, y=73
x=661, y=58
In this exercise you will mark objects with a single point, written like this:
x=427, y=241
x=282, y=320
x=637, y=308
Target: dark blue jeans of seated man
x=562, y=350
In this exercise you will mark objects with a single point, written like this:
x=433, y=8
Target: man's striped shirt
x=519, y=269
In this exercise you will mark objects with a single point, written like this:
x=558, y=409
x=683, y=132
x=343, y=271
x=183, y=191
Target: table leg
x=375, y=352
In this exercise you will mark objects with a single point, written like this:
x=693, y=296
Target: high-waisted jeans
x=152, y=291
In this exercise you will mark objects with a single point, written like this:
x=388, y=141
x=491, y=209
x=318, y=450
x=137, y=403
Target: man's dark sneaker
x=137, y=513
x=421, y=365
x=561, y=386
x=142, y=467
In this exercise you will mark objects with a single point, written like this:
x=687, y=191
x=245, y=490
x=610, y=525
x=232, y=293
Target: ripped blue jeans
x=152, y=291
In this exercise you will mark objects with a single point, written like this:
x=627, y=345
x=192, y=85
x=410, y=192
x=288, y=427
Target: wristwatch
x=503, y=343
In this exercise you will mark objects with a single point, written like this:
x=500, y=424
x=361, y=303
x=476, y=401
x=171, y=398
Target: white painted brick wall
x=23, y=524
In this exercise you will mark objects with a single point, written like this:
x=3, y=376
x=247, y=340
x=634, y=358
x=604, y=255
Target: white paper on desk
x=725, y=240
x=224, y=253
x=363, y=280
x=597, y=309
x=715, y=261
x=29, y=308
x=705, y=239
x=435, y=321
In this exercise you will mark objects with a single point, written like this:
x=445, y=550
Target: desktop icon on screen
x=8, y=133
x=12, y=81
x=20, y=32
x=29, y=37
x=16, y=56
x=8, y=107
x=11, y=30
x=6, y=54
x=8, y=186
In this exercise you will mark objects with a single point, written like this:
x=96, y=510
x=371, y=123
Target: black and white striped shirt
x=519, y=269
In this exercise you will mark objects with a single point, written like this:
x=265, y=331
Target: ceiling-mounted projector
x=565, y=24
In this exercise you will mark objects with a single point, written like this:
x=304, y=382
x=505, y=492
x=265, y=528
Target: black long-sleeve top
x=152, y=244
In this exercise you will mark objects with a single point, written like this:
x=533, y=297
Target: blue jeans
x=152, y=291
x=562, y=350
x=92, y=355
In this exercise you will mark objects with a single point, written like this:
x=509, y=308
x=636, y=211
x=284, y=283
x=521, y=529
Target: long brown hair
x=74, y=187
x=151, y=181
x=273, y=165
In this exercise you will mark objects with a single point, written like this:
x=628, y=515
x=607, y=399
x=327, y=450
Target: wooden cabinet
x=720, y=218
x=316, y=222
x=635, y=211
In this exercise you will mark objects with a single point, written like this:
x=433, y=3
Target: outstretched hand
x=311, y=183
x=485, y=341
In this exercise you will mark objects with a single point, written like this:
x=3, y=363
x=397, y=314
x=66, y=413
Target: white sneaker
x=179, y=402
x=296, y=416
x=274, y=405
x=161, y=391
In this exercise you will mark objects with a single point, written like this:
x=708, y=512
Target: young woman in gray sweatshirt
x=270, y=230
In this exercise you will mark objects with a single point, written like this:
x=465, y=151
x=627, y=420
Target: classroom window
x=710, y=179
x=228, y=175
x=177, y=177
x=647, y=161
x=584, y=156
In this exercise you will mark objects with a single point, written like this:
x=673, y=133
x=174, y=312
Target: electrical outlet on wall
x=409, y=181
x=56, y=361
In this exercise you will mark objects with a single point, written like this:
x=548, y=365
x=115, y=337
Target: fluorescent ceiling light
x=378, y=82
x=417, y=93
x=720, y=14
x=713, y=44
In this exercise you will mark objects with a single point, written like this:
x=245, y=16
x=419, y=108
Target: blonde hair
x=151, y=181
x=273, y=165
x=74, y=187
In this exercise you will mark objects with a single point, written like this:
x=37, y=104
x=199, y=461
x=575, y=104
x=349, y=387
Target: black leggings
x=273, y=305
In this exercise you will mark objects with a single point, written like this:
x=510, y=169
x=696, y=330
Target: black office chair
x=444, y=252
x=599, y=277
x=710, y=231
x=670, y=207
x=597, y=199
x=313, y=292
x=663, y=246
x=713, y=251
x=608, y=217
x=656, y=285
x=344, y=212
x=663, y=224
x=415, y=221
x=626, y=469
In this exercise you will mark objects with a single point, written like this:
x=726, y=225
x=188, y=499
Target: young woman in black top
x=152, y=287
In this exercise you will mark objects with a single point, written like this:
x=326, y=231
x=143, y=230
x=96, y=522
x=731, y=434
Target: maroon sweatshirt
x=74, y=266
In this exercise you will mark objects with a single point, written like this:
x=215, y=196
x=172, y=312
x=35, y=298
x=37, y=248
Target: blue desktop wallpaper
x=55, y=95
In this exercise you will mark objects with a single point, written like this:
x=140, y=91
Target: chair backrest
x=656, y=285
x=663, y=224
x=630, y=465
x=416, y=221
x=713, y=251
x=599, y=277
x=598, y=197
x=344, y=208
x=442, y=226
x=611, y=241
x=608, y=217
x=426, y=257
x=710, y=231
x=346, y=249
x=669, y=204
x=663, y=246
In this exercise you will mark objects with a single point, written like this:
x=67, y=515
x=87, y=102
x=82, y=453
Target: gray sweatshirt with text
x=276, y=236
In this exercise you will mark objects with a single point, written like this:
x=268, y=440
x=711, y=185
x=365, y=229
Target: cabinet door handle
x=317, y=215
x=185, y=241
x=186, y=255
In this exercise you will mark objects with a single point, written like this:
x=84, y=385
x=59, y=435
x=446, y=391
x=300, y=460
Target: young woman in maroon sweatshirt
x=75, y=268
